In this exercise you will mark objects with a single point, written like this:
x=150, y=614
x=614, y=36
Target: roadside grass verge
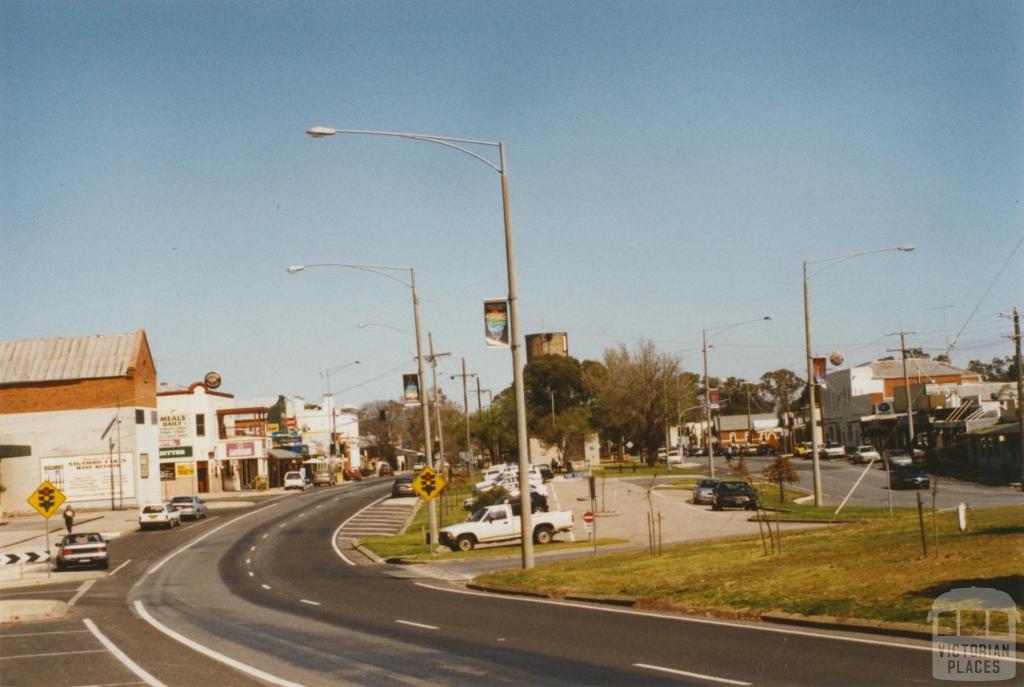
x=873, y=570
x=611, y=470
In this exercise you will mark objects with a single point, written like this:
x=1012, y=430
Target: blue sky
x=671, y=165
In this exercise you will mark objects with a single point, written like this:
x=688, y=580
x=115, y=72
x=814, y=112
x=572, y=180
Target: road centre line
x=252, y=574
x=699, y=676
x=425, y=627
x=265, y=586
x=201, y=537
x=248, y=561
x=55, y=653
x=311, y=603
x=195, y=646
x=283, y=524
x=81, y=590
x=334, y=537
x=252, y=548
x=890, y=643
x=121, y=656
x=119, y=567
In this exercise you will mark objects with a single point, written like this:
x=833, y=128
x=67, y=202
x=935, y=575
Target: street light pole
x=811, y=384
x=382, y=270
x=513, y=298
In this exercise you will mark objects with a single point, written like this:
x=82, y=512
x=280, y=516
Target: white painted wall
x=57, y=437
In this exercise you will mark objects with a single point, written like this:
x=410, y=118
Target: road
x=268, y=592
x=838, y=477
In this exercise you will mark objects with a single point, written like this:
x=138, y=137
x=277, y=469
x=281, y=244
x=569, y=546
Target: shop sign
x=176, y=452
x=89, y=477
x=184, y=469
x=173, y=427
x=241, y=449
x=167, y=472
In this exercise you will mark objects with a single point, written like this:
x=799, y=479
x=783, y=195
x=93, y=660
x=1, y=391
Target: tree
x=739, y=469
x=640, y=393
x=732, y=394
x=495, y=426
x=783, y=386
x=781, y=470
x=999, y=370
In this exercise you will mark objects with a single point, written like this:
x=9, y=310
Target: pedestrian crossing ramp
x=380, y=519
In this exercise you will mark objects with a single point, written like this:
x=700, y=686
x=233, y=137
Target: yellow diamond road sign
x=46, y=499
x=428, y=484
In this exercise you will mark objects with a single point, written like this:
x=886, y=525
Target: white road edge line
x=311, y=603
x=699, y=676
x=425, y=627
x=121, y=656
x=119, y=567
x=334, y=536
x=252, y=574
x=699, y=621
x=81, y=590
x=265, y=586
x=201, y=537
x=206, y=651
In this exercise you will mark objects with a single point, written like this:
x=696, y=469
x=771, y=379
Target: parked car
x=352, y=474
x=384, y=470
x=909, y=478
x=158, y=515
x=733, y=494
x=501, y=522
x=899, y=458
x=704, y=490
x=402, y=486
x=294, y=480
x=803, y=449
x=864, y=454
x=545, y=472
x=538, y=502
x=82, y=549
x=765, y=450
x=419, y=466
x=833, y=450
x=323, y=478
x=189, y=507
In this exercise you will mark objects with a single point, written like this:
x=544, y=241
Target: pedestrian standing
x=69, y=518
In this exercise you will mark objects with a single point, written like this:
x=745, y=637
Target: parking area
x=59, y=653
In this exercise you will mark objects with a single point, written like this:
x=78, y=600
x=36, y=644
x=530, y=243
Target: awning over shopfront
x=283, y=454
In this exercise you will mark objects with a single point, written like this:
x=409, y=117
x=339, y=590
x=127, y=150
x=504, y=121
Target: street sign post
x=46, y=499
x=590, y=527
x=428, y=484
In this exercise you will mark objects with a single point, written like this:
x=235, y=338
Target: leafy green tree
x=999, y=370
x=782, y=386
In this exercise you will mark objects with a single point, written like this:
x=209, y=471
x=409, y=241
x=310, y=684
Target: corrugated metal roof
x=916, y=367
x=67, y=358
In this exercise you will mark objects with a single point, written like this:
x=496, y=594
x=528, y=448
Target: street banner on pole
x=713, y=399
x=411, y=389
x=496, y=323
x=819, y=370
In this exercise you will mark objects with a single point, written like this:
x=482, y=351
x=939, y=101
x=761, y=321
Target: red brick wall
x=136, y=389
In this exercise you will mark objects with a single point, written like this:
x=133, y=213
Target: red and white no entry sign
x=588, y=517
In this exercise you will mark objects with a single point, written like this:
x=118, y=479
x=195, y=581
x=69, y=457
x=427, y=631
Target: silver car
x=83, y=548
x=704, y=490
x=189, y=506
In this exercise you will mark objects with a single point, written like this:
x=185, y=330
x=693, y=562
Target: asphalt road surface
x=265, y=597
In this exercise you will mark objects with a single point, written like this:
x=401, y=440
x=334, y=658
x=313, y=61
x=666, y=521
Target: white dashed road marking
x=699, y=676
x=425, y=627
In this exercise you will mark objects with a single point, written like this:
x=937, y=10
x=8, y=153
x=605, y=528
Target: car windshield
x=865, y=449
x=293, y=475
x=897, y=453
x=84, y=538
x=707, y=483
x=182, y=499
x=732, y=486
x=478, y=516
x=153, y=509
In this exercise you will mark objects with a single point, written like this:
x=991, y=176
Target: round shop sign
x=211, y=380
x=836, y=358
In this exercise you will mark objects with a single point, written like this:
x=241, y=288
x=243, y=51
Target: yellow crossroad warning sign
x=46, y=499
x=428, y=484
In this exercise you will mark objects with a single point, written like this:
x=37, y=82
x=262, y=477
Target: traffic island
x=30, y=610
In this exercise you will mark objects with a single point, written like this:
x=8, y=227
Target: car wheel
x=465, y=542
x=105, y=565
x=543, y=535
x=59, y=566
x=715, y=506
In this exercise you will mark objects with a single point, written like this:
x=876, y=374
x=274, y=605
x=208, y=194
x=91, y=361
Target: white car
x=832, y=450
x=294, y=480
x=158, y=515
x=865, y=454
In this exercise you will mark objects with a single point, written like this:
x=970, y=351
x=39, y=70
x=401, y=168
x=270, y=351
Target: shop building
x=189, y=434
x=83, y=411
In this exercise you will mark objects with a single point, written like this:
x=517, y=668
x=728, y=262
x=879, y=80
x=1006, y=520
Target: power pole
x=1015, y=314
x=750, y=422
x=479, y=407
x=906, y=387
x=707, y=407
x=465, y=405
x=432, y=358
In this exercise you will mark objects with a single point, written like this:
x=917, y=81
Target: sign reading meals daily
x=173, y=426
x=88, y=477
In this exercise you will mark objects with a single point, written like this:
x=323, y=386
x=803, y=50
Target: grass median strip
x=872, y=570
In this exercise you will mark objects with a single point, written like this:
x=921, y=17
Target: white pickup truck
x=500, y=523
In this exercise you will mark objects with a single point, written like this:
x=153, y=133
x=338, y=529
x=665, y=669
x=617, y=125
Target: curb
x=22, y=611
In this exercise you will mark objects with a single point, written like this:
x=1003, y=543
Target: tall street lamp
x=707, y=390
x=811, y=383
x=383, y=270
x=460, y=144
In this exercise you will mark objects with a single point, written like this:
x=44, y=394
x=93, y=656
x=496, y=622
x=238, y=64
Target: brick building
x=85, y=410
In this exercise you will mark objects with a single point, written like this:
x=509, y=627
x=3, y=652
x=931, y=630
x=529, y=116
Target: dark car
x=83, y=548
x=899, y=458
x=765, y=450
x=909, y=478
x=733, y=494
x=538, y=502
x=402, y=487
